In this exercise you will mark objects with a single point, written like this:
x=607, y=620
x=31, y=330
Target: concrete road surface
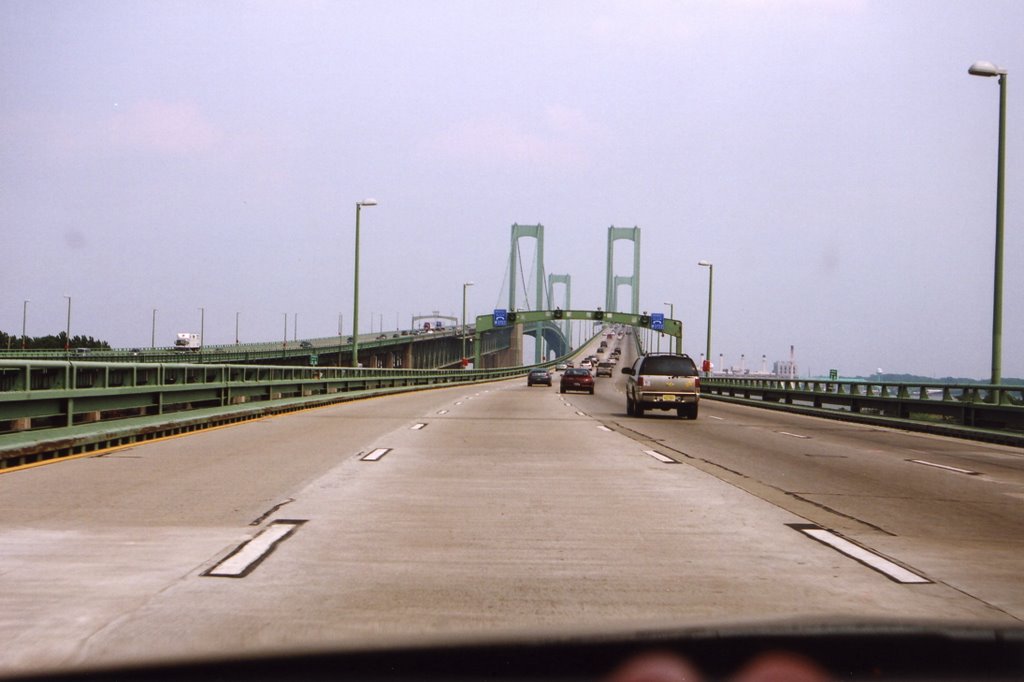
x=496, y=509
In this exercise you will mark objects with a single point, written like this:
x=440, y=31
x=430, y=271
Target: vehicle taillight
x=640, y=382
x=696, y=383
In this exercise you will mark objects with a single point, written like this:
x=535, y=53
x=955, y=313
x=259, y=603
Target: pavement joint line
x=375, y=455
x=418, y=426
x=251, y=553
x=945, y=467
x=765, y=491
x=863, y=555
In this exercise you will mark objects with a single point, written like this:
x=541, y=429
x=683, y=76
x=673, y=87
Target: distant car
x=538, y=376
x=586, y=364
x=604, y=369
x=577, y=379
x=570, y=364
x=305, y=344
x=561, y=367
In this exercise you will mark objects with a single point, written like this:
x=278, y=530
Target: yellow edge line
x=126, y=446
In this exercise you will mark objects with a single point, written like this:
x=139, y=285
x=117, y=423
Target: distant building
x=785, y=368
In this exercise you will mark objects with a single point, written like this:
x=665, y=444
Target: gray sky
x=832, y=158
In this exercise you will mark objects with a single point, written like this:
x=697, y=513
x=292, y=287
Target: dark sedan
x=577, y=379
x=538, y=376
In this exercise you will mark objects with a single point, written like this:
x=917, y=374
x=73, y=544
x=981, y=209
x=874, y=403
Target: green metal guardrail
x=244, y=352
x=981, y=411
x=993, y=413
x=51, y=409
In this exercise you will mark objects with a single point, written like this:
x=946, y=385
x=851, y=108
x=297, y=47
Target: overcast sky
x=832, y=158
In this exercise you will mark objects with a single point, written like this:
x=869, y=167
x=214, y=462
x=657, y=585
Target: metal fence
x=51, y=408
x=994, y=408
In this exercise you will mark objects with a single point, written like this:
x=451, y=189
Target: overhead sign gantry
x=501, y=319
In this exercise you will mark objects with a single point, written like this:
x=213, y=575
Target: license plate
x=668, y=398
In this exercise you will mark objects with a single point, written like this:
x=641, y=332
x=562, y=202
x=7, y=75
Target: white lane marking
x=660, y=457
x=417, y=427
x=442, y=411
x=582, y=414
x=943, y=466
x=864, y=556
x=603, y=427
x=711, y=416
x=458, y=402
x=794, y=435
x=253, y=551
x=376, y=454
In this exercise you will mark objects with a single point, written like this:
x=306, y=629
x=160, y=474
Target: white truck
x=187, y=341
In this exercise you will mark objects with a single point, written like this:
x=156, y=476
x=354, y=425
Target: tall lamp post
x=988, y=70
x=237, y=314
x=465, y=286
x=202, y=327
x=672, y=316
x=67, y=334
x=355, y=288
x=711, y=282
x=24, y=319
x=152, y=333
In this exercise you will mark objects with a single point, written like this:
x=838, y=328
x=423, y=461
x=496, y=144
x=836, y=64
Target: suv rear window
x=669, y=365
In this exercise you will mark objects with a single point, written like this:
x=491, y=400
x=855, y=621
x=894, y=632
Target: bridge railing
x=242, y=352
x=979, y=406
x=56, y=408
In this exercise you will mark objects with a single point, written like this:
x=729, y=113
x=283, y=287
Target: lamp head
x=986, y=69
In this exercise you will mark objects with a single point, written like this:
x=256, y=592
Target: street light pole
x=67, y=334
x=672, y=316
x=152, y=335
x=24, y=319
x=465, y=285
x=711, y=282
x=987, y=69
x=355, y=288
x=202, y=328
x=237, y=313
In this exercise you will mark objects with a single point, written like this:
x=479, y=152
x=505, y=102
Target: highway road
x=495, y=509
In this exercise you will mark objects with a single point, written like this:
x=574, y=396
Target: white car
x=586, y=364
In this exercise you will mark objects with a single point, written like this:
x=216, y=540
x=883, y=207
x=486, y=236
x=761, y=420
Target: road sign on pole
x=657, y=321
x=500, y=317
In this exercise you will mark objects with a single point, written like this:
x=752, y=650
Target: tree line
x=50, y=342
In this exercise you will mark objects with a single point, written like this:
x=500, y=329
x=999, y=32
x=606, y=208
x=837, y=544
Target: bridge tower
x=536, y=232
x=611, y=299
x=567, y=301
